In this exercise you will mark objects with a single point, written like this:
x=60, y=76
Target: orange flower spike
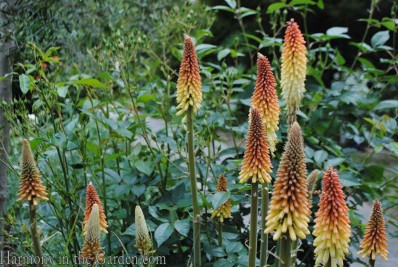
x=92, y=241
x=289, y=208
x=332, y=225
x=31, y=187
x=224, y=211
x=256, y=164
x=265, y=99
x=294, y=67
x=189, y=85
x=91, y=199
x=375, y=240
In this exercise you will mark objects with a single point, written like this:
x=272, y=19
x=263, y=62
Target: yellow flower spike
x=224, y=211
x=294, y=67
x=256, y=164
x=375, y=240
x=91, y=251
x=332, y=225
x=289, y=208
x=265, y=100
x=92, y=198
x=143, y=240
x=31, y=187
x=189, y=85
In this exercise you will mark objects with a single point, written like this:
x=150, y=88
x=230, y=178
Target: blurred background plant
x=94, y=92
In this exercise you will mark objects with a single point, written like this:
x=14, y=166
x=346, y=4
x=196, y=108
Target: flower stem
x=35, y=238
x=195, y=204
x=371, y=262
x=285, y=251
x=253, y=225
x=294, y=250
x=220, y=234
x=264, y=236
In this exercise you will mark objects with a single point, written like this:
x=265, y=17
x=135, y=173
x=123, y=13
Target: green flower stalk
x=189, y=98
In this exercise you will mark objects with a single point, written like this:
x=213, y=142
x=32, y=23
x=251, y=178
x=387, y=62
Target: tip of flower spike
x=222, y=183
x=259, y=55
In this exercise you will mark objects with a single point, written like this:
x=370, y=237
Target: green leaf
x=62, y=91
x=245, y=102
x=182, y=226
x=219, y=198
x=338, y=31
x=24, y=83
x=223, y=53
x=138, y=189
x=153, y=210
x=320, y=156
x=301, y=2
x=380, y=38
x=234, y=247
x=348, y=180
x=145, y=167
x=387, y=104
x=231, y=3
x=91, y=82
x=163, y=232
x=146, y=98
x=225, y=8
x=334, y=162
x=275, y=6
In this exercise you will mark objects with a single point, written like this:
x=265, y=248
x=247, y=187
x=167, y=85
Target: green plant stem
x=253, y=226
x=285, y=251
x=264, y=236
x=195, y=204
x=220, y=234
x=278, y=245
x=372, y=262
x=294, y=250
x=35, y=238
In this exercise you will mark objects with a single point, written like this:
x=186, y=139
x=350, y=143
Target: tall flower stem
x=264, y=236
x=371, y=262
x=253, y=225
x=285, y=251
x=195, y=204
x=294, y=248
x=35, y=238
x=220, y=234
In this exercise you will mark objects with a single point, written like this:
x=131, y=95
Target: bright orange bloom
x=265, y=99
x=289, y=209
x=91, y=251
x=294, y=67
x=375, y=240
x=91, y=199
x=332, y=225
x=224, y=211
x=189, y=85
x=30, y=185
x=256, y=161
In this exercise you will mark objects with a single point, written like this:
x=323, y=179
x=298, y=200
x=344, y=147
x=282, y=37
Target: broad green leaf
x=62, y=91
x=337, y=31
x=145, y=167
x=320, y=156
x=153, y=210
x=380, y=38
x=138, y=189
x=301, y=2
x=234, y=247
x=182, y=226
x=146, y=98
x=219, y=198
x=91, y=82
x=24, y=83
x=387, y=104
x=275, y=6
x=334, y=162
x=245, y=102
x=163, y=232
x=223, y=53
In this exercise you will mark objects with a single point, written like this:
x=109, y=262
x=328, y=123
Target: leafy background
x=94, y=91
